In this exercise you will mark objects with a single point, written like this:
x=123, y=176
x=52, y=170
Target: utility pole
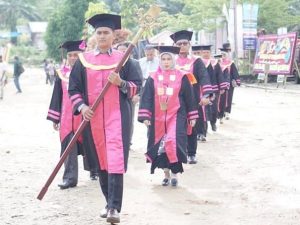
x=236, y=55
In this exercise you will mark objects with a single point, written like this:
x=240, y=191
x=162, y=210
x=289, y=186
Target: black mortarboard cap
x=170, y=49
x=181, y=35
x=227, y=45
x=218, y=56
x=225, y=49
x=201, y=47
x=105, y=20
x=71, y=46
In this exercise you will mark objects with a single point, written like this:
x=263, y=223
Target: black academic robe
x=223, y=99
x=234, y=75
x=202, y=87
x=218, y=83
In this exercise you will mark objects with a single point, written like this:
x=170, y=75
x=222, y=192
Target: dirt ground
x=248, y=171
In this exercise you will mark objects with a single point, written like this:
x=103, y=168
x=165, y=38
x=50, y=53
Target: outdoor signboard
x=277, y=51
x=250, y=13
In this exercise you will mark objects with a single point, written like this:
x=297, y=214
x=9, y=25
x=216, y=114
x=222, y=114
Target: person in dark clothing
x=18, y=70
x=195, y=68
x=46, y=71
x=234, y=78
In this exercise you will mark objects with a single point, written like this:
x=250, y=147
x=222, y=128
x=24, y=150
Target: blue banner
x=250, y=14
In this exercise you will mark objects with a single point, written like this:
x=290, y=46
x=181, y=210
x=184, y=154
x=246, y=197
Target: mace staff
x=147, y=20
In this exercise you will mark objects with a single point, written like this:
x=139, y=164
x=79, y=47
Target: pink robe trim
x=75, y=96
x=54, y=112
x=53, y=116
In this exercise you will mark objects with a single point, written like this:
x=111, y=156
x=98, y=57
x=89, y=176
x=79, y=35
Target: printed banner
x=277, y=51
x=250, y=13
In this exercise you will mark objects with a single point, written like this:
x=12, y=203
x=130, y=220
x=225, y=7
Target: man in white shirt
x=3, y=76
x=149, y=63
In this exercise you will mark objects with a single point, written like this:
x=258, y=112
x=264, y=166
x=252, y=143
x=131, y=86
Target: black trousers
x=230, y=96
x=204, y=116
x=214, y=110
x=202, y=128
x=192, y=141
x=112, y=189
x=222, y=104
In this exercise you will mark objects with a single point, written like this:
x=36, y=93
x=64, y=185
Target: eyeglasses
x=184, y=43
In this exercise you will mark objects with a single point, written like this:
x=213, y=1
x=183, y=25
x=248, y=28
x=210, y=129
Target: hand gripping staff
x=147, y=20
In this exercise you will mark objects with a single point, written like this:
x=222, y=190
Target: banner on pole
x=250, y=13
x=277, y=51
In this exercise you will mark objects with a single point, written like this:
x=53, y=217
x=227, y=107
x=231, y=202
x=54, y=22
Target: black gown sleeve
x=235, y=74
x=189, y=99
x=147, y=101
x=202, y=77
x=54, y=111
x=77, y=86
x=132, y=76
x=220, y=77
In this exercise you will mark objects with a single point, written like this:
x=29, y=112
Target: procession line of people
x=178, y=94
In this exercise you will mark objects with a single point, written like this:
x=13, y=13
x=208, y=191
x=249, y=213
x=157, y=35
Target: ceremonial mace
x=6, y=53
x=146, y=21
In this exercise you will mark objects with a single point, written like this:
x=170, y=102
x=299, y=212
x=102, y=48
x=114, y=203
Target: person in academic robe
x=201, y=84
x=135, y=99
x=234, y=76
x=61, y=114
x=223, y=98
x=107, y=136
x=218, y=82
x=167, y=106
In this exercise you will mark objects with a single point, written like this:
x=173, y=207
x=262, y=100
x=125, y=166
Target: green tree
x=129, y=10
x=96, y=8
x=66, y=23
x=274, y=14
x=294, y=9
x=12, y=10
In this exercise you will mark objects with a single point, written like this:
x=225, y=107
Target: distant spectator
x=51, y=71
x=46, y=71
x=149, y=63
x=18, y=70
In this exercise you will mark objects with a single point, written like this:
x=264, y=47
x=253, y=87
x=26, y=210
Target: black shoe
x=93, y=177
x=165, y=182
x=66, y=185
x=174, y=182
x=202, y=138
x=192, y=160
x=113, y=216
x=214, y=127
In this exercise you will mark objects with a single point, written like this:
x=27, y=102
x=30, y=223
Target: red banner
x=277, y=51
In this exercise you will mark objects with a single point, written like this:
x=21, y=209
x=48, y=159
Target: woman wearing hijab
x=167, y=106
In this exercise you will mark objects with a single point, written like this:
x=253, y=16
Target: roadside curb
x=280, y=89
